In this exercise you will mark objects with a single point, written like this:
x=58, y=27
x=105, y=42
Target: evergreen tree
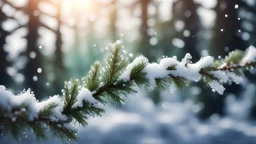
x=82, y=98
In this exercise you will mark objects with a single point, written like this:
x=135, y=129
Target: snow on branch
x=111, y=81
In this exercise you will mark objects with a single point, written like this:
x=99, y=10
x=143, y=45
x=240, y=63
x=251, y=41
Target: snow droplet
x=221, y=30
x=94, y=45
x=14, y=119
x=32, y=55
x=39, y=70
x=236, y=6
x=40, y=47
x=19, y=78
x=35, y=78
x=226, y=15
x=226, y=49
x=186, y=33
x=130, y=55
x=153, y=41
x=178, y=43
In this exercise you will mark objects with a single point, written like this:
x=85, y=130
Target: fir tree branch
x=235, y=67
x=83, y=98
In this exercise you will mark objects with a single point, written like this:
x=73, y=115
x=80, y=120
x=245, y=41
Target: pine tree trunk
x=113, y=20
x=32, y=65
x=145, y=47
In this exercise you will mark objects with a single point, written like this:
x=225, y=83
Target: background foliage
x=45, y=42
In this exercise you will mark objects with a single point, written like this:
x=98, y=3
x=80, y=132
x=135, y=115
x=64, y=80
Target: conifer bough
x=112, y=81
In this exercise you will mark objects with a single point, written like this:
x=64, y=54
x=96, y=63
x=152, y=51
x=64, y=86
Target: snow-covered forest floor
x=139, y=121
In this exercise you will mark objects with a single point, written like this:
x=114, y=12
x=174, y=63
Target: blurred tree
x=5, y=78
x=58, y=51
x=144, y=46
x=59, y=68
x=226, y=29
x=187, y=25
x=226, y=37
x=30, y=70
x=247, y=31
x=113, y=20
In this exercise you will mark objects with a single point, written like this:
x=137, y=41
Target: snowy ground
x=173, y=122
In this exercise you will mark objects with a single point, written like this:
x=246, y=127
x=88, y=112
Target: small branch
x=230, y=68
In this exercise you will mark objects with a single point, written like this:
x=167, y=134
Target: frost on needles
x=111, y=81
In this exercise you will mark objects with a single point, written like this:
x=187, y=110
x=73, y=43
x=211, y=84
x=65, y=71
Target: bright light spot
x=130, y=55
x=186, y=33
x=153, y=41
x=39, y=70
x=238, y=18
x=178, y=43
x=94, y=45
x=11, y=71
x=204, y=53
x=151, y=22
x=179, y=25
x=207, y=17
x=19, y=78
x=246, y=36
x=236, y=6
x=32, y=55
x=226, y=15
x=35, y=78
x=226, y=49
x=221, y=30
x=40, y=47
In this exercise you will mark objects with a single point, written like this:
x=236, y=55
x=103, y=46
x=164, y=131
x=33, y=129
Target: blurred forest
x=45, y=42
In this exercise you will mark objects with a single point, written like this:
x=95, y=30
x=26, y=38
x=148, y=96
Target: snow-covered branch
x=83, y=98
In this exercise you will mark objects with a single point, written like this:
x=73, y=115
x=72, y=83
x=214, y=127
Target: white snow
x=9, y=101
x=84, y=95
x=182, y=69
x=114, y=45
x=233, y=77
x=57, y=111
x=216, y=86
x=126, y=74
x=154, y=71
x=250, y=55
x=185, y=69
x=5, y=97
x=178, y=43
x=171, y=122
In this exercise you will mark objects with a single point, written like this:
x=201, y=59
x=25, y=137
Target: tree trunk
x=32, y=65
